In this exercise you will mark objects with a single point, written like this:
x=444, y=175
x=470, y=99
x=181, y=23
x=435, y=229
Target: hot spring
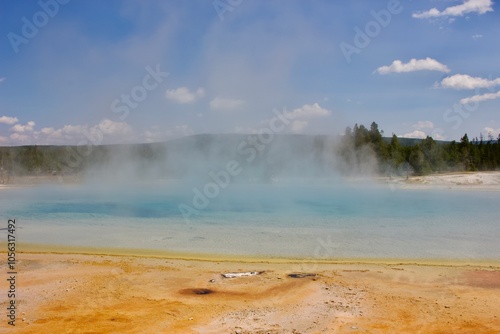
x=324, y=219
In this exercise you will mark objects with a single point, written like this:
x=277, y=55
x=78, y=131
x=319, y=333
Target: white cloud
x=307, y=111
x=310, y=110
x=47, y=131
x=2, y=79
x=183, y=95
x=50, y=133
x=464, y=81
x=222, y=104
x=8, y=120
x=479, y=98
x=20, y=138
x=298, y=126
x=424, y=129
x=477, y=36
x=438, y=136
x=494, y=132
x=4, y=140
x=427, y=64
x=468, y=6
x=155, y=134
x=28, y=127
x=423, y=125
x=105, y=132
x=299, y=119
x=73, y=129
x=415, y=134
x=111, y=128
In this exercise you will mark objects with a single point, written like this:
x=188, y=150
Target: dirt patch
x=483, y=279
x=110, y=294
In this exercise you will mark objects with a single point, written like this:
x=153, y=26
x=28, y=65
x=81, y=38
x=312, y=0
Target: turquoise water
x=300, y=219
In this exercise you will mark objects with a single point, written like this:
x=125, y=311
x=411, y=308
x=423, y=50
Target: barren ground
x=72, y=293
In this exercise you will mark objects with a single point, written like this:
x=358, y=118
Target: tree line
x=37, y=160
x=360, y=148
x=400, y=155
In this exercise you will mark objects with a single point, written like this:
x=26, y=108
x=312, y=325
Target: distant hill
x=260, y=157
x=413, y=141
x=180, y=157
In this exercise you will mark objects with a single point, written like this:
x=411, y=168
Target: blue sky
x=144, y=71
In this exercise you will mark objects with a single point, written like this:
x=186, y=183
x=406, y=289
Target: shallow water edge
x=32, y=248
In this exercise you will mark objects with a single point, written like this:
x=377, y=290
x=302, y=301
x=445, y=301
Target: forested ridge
x=424, y=156
x=358, y=146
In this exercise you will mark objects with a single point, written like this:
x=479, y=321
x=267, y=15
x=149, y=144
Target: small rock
x=301, y=275
x=241, y=274
x=212, y=281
